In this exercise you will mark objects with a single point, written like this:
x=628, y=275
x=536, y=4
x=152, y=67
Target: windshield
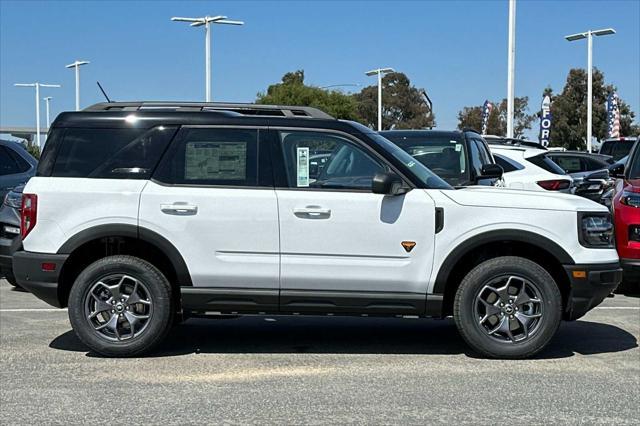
x=634, y=165
x=444, y=155
x=419, y=170
x=617, y=149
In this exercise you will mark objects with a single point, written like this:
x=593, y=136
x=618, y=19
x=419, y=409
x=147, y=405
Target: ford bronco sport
x=143, y=213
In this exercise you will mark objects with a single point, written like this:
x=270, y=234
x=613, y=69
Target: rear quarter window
x=104, y=153
x=546, y=163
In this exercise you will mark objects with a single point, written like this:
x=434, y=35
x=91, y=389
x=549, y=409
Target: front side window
x=326, y=161
x=444, y=155
x=202, y=156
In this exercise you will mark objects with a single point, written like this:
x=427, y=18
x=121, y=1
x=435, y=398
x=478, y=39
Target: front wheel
x=508, y=307
x=121, y=306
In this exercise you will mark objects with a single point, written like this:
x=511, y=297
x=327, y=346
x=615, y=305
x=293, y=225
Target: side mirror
x=617, y=171
x=598, y=175
x=388, y=183
x=491, y=171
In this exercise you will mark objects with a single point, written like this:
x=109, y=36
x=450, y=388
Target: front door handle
x=179, y=208
x=312, y=212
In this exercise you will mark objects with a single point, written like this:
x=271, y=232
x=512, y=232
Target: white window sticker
x=303, y=166
x=458, y=148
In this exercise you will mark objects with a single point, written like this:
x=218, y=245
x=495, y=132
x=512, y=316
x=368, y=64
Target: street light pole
x=77, y=65
x=589, y=36
x=379, y=72
x=37, y=85
x=46, y=102
x=511, y=67
x=207, y=21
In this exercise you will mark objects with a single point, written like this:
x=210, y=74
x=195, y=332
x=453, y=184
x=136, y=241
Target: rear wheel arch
x=479, y=248
x=101, y=241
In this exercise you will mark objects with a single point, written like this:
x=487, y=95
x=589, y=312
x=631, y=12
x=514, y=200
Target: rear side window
x=220, y=157
x=105, y=153
x=547, y=164
x=569, y=164
x=507, y=164
x=21, y=162
x=8, y=165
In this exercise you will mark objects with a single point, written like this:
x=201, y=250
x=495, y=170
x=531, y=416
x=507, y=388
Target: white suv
x=142, y=213
x=527, y=166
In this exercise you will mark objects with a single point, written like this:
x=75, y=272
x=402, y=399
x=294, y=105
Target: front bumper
x=590, y=284
x=27, y=268
x=631, y=269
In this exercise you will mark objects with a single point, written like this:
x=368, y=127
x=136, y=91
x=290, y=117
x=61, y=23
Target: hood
x=487, y=196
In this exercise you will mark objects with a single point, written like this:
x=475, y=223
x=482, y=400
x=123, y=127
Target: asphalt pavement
x=319, y=370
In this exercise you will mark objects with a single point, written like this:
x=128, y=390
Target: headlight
x=630, y=199
x=595, y=230
x=13, y=199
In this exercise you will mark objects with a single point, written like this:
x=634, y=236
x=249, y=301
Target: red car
x=626, y=210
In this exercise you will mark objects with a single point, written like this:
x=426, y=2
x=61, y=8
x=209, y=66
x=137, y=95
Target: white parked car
x=213, y=209
x=527, y=166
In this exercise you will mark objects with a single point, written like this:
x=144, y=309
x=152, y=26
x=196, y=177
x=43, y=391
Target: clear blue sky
x=456, y=50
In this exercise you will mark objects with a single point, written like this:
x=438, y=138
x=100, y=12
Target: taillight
x=554, y=184
x=29, y=214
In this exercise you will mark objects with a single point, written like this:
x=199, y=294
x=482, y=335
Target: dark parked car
x=617, y=148
x=16, y=165
x=9, y=230
x=461, y=158
x=589, y=172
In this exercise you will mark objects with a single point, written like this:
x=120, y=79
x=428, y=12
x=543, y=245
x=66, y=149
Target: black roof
x=238, y=108
x=151, y=114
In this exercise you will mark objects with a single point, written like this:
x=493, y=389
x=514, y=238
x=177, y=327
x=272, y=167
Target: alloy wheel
x=509, y=308
x=118, y=307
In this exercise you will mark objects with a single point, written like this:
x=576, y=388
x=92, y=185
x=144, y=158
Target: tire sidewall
x=159, y=293
x=476, y=336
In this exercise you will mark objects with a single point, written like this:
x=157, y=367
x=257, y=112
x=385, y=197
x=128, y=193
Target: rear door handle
x=179, y=208
x=312, y=212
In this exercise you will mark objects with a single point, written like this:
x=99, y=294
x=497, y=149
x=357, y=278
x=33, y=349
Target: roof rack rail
x=240, y=108
x=502, y=140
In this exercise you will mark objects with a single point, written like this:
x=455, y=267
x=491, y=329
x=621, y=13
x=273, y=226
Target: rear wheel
x=508, y=307
x=121, y=306
x=11, y=280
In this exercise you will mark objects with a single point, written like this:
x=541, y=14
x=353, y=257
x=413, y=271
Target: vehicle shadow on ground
x=355, y=336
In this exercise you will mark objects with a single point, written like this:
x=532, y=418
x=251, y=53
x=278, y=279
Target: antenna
x=103, y=92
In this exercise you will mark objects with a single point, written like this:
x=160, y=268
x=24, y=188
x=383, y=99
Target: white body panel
x=230, y=240
x=67, y=206
x=476, y=210
x=235, y=238
x=527, y=177
x=357, y=245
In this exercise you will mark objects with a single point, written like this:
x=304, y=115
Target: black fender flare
x=516, y=235
x=132, y=231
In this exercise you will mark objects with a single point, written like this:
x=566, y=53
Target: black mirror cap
x=388, y=183
x=597, y=175
x=617, y=171
x=491, y=171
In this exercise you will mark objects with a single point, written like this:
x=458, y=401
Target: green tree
x=569, y=111
x=293, y=91
x=471, y=117
x=403, y=105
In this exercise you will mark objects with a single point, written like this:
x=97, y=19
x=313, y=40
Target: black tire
x=159, y=294
x=12, y=280
x=469, y=322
